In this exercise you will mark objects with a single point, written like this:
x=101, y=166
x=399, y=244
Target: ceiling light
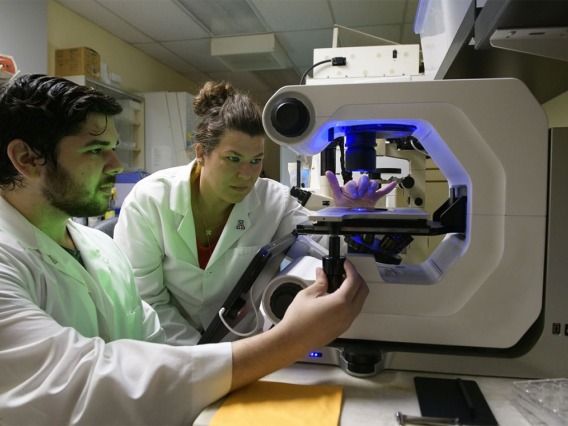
x=249, y=52
x=225, y=17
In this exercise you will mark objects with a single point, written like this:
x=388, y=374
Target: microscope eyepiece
x=290, y=117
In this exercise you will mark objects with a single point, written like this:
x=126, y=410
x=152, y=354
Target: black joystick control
x=333, y=265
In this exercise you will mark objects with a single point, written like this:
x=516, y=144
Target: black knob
x=283, y=297
x=290, y=117
x=407, y=182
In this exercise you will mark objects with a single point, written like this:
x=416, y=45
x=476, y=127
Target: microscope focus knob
x=282, y=298
x=407, y=182
x=290, y=117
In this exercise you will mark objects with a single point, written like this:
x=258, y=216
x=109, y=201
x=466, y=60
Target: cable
x=303, y=79
x=256, y=315
x=422, y=150
x=338, y=60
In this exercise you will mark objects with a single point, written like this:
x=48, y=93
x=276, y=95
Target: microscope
x=490, y=299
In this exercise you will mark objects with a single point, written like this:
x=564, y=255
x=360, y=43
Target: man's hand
x=313, y=319
x=320, y=317
x=364, y=193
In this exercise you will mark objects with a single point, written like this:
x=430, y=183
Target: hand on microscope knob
x=313, y=307
x=363, y=193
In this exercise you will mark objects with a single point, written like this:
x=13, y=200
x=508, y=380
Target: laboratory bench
x=375, y=400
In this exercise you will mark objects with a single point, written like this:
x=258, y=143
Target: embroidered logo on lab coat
x=241, y=224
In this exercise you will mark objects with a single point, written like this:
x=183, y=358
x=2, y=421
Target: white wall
x=23, y=33
x=139, y=72
x=557, y=111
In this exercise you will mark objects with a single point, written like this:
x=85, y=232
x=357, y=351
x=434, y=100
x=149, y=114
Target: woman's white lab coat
x=72, y=347
x=156, y=231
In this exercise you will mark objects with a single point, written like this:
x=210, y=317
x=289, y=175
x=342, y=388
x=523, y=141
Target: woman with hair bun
x=191, y=231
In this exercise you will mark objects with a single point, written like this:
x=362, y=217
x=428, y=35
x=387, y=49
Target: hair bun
x=212, y=96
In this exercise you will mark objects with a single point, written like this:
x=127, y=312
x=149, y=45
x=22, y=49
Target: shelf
x=103, y=87
x=129, y=124
x=126, y=148
x=128, y=120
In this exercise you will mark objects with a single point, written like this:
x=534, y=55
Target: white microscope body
x=473, y=305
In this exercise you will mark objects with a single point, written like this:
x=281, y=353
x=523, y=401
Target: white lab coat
x=156, y=231
x=72, y=347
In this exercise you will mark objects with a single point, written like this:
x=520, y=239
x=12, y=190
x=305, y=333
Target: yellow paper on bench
x=275, y=404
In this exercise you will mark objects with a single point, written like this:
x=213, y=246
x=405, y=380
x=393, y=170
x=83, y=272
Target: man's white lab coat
x=77, y=345
x=156, y=230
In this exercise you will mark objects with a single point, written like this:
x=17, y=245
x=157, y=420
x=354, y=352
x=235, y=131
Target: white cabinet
x=169, y=122
x=129, y=123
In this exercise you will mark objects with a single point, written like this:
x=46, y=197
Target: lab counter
x=375, y=400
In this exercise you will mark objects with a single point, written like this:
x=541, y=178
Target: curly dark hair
x=221, y=107
x=41, y=110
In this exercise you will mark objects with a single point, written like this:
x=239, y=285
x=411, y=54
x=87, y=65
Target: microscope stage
x=340, y=214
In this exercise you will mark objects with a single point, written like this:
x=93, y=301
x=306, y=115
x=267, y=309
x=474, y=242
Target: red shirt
x=204, y=254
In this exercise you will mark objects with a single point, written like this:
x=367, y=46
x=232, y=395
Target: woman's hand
x=364, y=193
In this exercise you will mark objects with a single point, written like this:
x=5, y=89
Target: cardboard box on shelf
x=78, y=61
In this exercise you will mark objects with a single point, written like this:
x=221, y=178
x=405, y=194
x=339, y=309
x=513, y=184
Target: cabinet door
x=169, y=123
x=130, y=127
